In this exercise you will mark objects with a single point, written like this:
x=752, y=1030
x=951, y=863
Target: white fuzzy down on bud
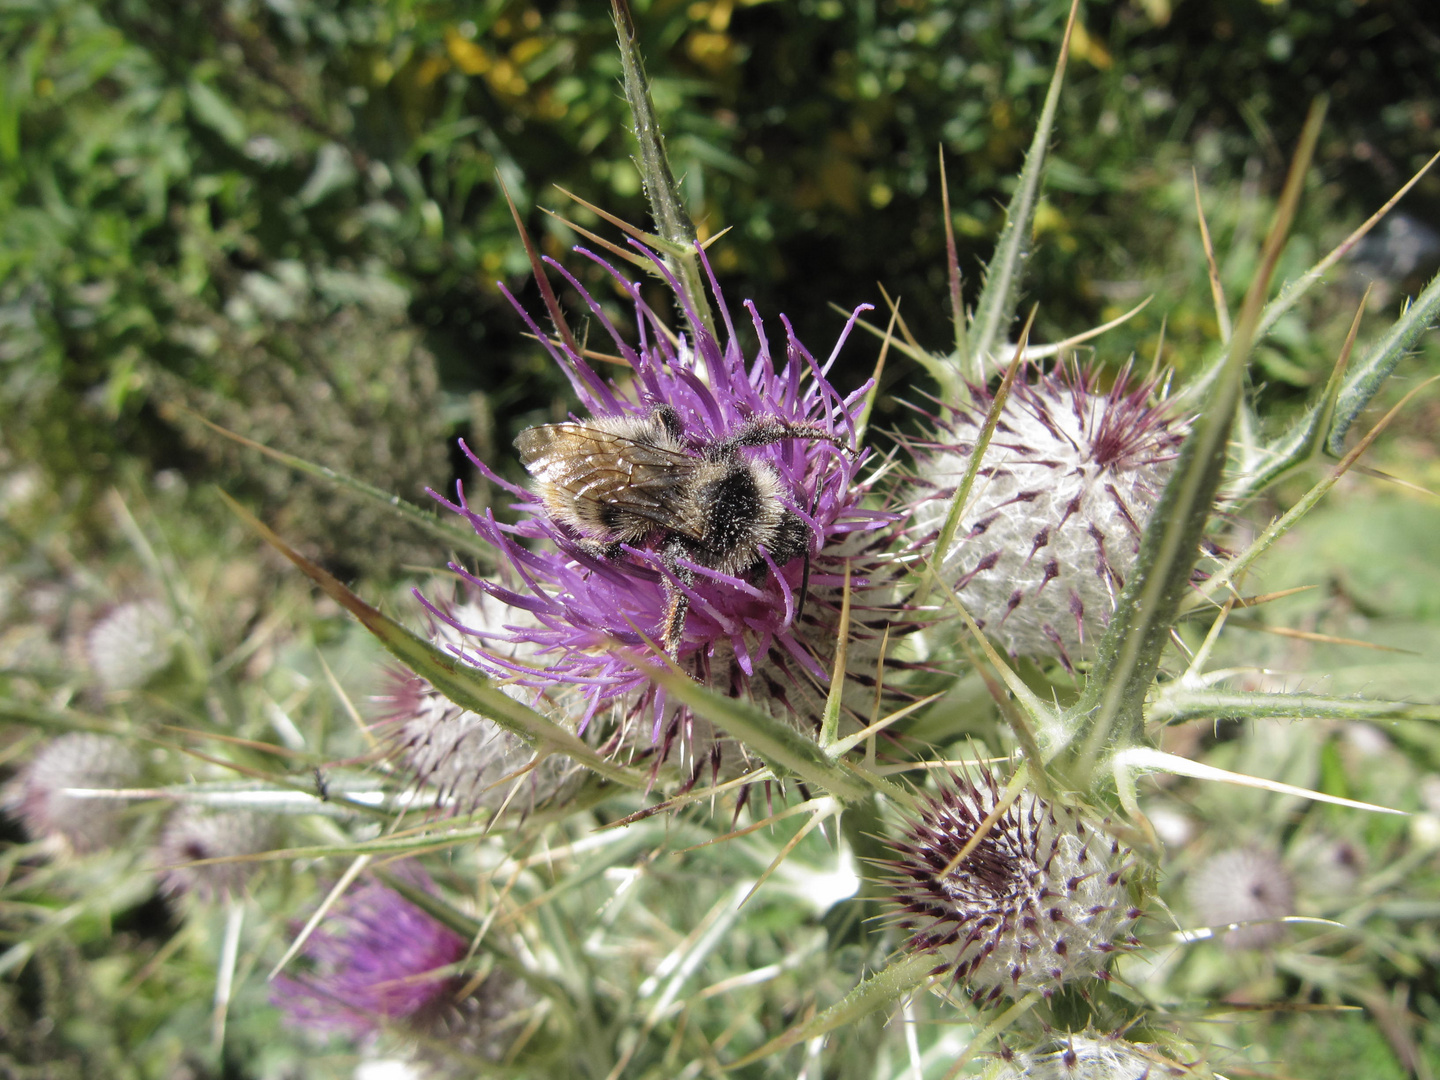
x=1052, y=525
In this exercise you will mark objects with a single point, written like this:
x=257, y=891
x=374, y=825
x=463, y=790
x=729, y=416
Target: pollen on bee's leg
x=672, y=631
x=677, y=603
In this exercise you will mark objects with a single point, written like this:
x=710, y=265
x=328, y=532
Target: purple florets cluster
x=582, y=620
x=369, y=965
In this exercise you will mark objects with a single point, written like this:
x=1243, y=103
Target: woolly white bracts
x=1040, y=900
x=1245, y=885
x=467, y=761
x=1054, y=518
x=194, y=834
x=1084, y=1057
x=130, y=644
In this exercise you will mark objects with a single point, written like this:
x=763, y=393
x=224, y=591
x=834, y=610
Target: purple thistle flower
x=371, y=964
x=1057, y=509
x=1040, y=900
x=582, y=617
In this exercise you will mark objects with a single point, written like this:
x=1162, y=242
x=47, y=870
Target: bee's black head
x=791, y=539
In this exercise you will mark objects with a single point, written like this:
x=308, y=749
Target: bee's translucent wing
x=609, y=479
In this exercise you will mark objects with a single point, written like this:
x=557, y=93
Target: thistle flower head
x=1243, y=885
x=130, y=644
x=1039, y=901
x=1055, y=515
x=38, y=795
x=587, y=614
x=193, y=834
x=1084, y=1057
x=371, y=963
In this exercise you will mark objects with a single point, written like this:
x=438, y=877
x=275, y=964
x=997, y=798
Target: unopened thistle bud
x=194, y=834
x=130, y=644
x=467, y=761
x=1040, y=900
x=1243, y=885
x=1053, y=521
x=39, y=794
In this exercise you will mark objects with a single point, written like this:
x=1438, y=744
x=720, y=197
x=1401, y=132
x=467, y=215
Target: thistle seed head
x=1057, y=509
x=1039, y=901
x=1243, y=885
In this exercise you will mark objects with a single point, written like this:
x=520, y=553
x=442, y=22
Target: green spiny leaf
x=784, y=748
x=1375, y=367
x=1175, y=704
x=995, y=310
x=456, y=538
x=883, y=988
x=459, y=682
x=1109, y=712
x=672, y=220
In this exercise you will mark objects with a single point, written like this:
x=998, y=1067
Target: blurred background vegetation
x=285, y=217
x=209, y=203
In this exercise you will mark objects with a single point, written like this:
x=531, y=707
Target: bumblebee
x=637, y=481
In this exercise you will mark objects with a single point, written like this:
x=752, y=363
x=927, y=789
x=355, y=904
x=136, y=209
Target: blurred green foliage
x=254, y=159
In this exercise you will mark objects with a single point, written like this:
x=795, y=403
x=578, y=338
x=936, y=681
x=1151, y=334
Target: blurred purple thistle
x=581, y=617
x=368, y=966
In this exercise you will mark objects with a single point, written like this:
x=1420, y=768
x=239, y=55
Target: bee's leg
x=677, y=604
x=764, y=430
x=598, y=549
x=669, y=419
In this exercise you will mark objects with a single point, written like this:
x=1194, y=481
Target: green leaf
x=215, y=113
x=881, y=989
x=786, y=750
x=1330, y=419
x=1175, y=705
x=457, y=538
x=1110, y=711
x=1196, y=389
x=458, y=681
x=333, y=170
x=1365, y=378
